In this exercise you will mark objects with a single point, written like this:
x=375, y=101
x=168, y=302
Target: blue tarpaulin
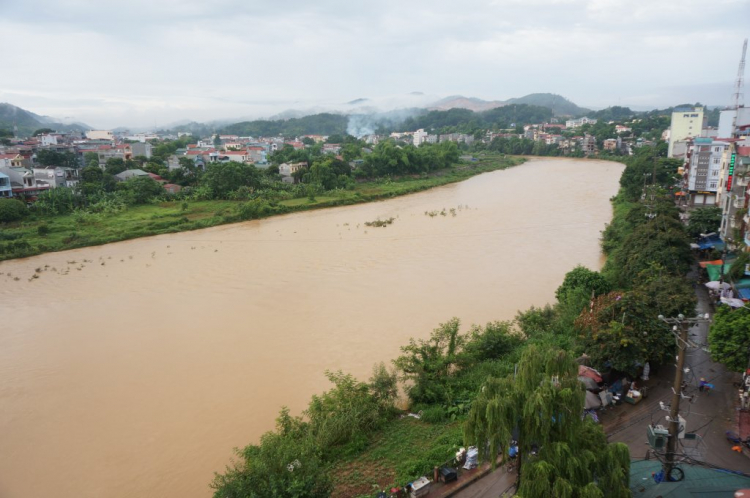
x=744, y=293
x=712, y=242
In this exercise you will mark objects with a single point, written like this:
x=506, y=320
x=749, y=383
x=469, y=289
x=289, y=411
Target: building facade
x=686, y=123
x=702, y=171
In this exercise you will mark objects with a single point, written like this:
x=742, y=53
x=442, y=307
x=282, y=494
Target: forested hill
x=316, y=124
x=559, y=105
x=464, y=120
x=28, y=122
x=453, y=120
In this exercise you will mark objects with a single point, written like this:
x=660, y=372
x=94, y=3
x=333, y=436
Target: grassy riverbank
x=40, y=234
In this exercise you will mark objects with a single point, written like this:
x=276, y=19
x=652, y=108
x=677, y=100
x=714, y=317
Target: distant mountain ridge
x=461, y=102
x=559, y=105
x=28, y=122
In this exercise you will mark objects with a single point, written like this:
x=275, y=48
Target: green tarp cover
x=714, y=271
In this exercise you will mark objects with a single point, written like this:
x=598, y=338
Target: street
x=709, y=414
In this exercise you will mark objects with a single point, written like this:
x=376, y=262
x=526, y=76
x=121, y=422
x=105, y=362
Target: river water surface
x=133, y=369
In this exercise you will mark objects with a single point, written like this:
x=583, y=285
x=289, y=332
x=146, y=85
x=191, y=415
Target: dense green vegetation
x=542, y=404
x=730, y=338
x=316, y=124
x=466, y=121
x=63, y=219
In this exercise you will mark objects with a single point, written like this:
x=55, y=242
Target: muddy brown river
x=133, y=369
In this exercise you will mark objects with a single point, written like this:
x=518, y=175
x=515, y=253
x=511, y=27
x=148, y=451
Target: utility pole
x=680, y=326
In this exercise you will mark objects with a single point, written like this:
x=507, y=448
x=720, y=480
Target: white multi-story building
x=48, y=140
x=420, y=137
x=575, y=123
x=703, y=170
x=686, y=123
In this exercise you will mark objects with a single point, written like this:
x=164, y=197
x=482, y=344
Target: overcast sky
x=148, y=62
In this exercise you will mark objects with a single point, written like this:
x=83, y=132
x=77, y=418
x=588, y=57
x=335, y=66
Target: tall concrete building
x=702, y=170
x=686, y=123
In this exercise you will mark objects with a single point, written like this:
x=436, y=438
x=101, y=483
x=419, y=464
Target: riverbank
x=59, y=233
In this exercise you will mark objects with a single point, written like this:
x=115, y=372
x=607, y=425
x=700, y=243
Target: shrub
x=434, y=414
x=12, y=210
x=16, y=248
x=43, y=229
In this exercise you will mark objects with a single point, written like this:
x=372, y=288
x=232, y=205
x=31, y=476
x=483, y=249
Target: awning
x=703, y=264
x=714, y=271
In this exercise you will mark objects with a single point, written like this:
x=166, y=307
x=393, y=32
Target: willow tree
x=542, y=405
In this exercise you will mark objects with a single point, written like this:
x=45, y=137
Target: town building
x=100, y=135
x=420, y=137
x=575, y=123
x=702, y=171
x=732, y=195
x=687, y=123
x=56, y=176
x=610, y=144
x=141, y=149
x=588, y=145
x=287, y=170
x=5, y=189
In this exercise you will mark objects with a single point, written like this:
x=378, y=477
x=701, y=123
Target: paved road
x=492, y=486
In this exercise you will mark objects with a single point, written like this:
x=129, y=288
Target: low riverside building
x=5, y=189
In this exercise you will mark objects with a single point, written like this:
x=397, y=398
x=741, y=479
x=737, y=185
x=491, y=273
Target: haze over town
x=149, y=63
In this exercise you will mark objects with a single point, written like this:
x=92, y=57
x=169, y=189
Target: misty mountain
x=560, y=105
x=461, y=102
x=316, y=124
x=28, y=122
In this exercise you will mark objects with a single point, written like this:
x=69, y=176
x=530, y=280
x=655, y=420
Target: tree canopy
x=729, y=338
x=543, y=405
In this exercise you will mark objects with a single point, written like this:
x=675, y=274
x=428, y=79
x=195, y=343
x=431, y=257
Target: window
x=716, y=160
x=712, y=185
x=715, y=172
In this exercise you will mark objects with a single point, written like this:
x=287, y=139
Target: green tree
x=704, y=220
x=48, y=157
x=141, y=189
x=493, y=342
x=286, y=463
x=729, y=338
x=622, y=329
x=581, y=277
x=91, y=159
x=427, y=364
x=114, y=166
x=543, y=404
x=92, y=180
x=12, y=210
x=225, y=178
x=42, y=131
x=661, y=240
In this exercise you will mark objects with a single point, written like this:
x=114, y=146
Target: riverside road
x=710, y=414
